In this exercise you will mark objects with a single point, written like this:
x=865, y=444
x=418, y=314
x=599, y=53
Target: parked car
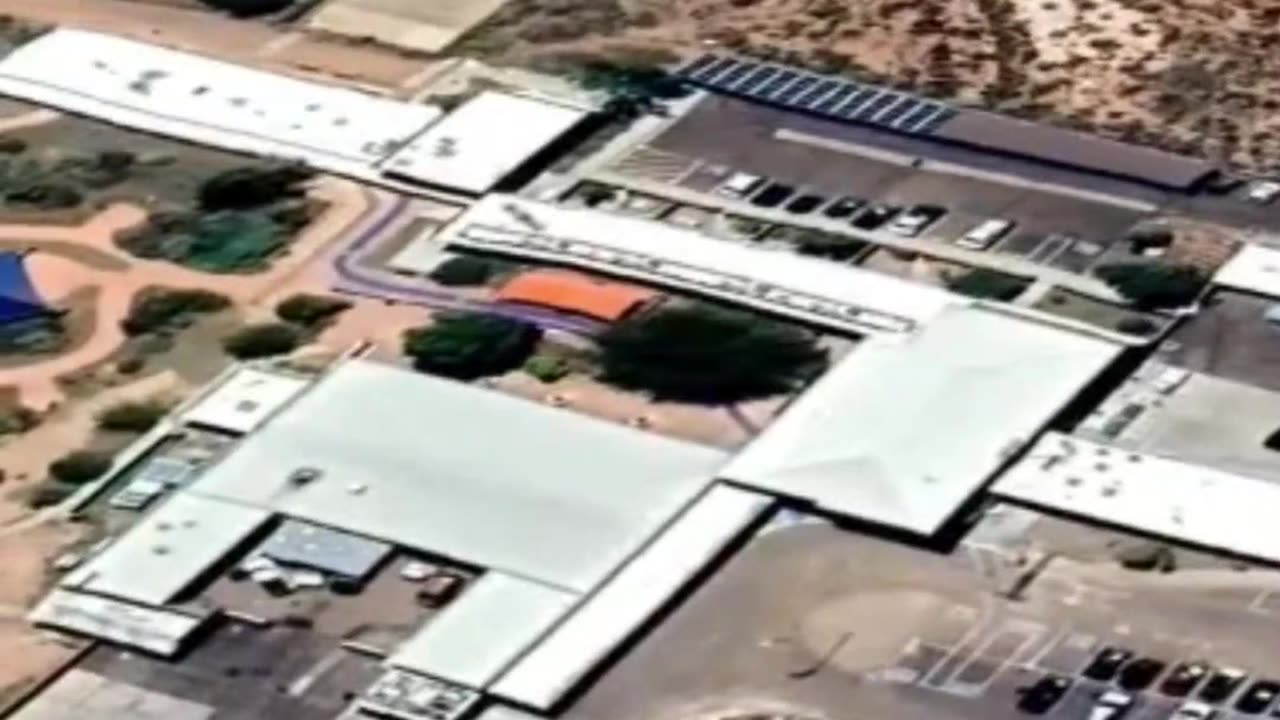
x=1194, y=710
x=985, y=234
x=1184, y=678
x=804, y=204
x=772, y=195
x=1139, y=674
x=914, y=221
x=1258, y=697
x=874, y=216
x=1222, y=685
x=740, y=185
x=1039, y=698
x=1111, y=705
x=843, y=207
x=440, y=588
x=1263, y=192
x=1107, y=663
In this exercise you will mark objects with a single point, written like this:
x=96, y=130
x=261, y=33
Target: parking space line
x=1258, y=605
x=974, y=632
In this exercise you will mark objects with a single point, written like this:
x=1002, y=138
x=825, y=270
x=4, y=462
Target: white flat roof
x=168, y=549
x=1254, y=268
x=244, y=400
x=536, y=492
x=480, y=634
x=155, y=630
x=903, y=431
x=817, y=291
x=484, y=140
x=211, y=102
x=1153, y=495
x=612, y=613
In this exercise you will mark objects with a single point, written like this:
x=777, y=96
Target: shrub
x=547, y=368
x=467, y=270
x=46, y=196
x=12, y=146
x=18, y=420
x=80, y=466
x=701, y=353
x=470, y=345
x=249, y=8
x=262, y=340
x=988, y=284
x=310, y=310
x=132, y=416
x=168, y=308
x=1154, y=286
x=1147, y=556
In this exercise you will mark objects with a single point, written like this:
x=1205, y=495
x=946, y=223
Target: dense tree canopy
x=249, y=8
x=989, y=284
x=309, y=310
x=80, y=467
x=251, y=187
x=262, y=340
x=1154, y=286
x=467, y=270
x=471, y=345
x=705, y=354
x=132, y=416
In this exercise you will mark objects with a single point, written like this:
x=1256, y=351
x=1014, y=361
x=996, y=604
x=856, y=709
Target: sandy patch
x=55, y=277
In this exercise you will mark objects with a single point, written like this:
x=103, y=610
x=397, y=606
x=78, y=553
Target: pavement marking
x=1259, y=604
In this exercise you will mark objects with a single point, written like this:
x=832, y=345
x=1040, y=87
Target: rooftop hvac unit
x=303, y=476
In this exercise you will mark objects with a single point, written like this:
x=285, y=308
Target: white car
x=740, y=185
x=1111, y=705
x=1263, y=191
x=1194, y=710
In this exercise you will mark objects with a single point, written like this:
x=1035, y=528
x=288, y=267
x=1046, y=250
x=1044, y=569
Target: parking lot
x=827, y=624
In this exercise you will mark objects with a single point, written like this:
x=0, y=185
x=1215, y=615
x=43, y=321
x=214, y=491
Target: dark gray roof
x=1073, y=148
x=320, y=548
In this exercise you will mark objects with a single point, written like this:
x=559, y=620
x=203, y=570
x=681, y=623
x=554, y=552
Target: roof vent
x=304, y=475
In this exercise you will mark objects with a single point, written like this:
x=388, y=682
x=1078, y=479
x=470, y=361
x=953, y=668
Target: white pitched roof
x=1254, y=268
x=244, y=400
x=903, y=431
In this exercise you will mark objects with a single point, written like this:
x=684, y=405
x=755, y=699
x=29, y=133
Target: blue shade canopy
x=18, y=298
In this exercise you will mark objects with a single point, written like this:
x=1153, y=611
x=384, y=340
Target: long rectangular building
x=815, y=291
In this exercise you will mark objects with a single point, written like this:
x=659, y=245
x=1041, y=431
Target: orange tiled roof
x=573, y=292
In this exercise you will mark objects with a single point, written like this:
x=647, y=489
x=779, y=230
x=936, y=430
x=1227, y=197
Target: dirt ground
x=198, y=30
x=1196, y=76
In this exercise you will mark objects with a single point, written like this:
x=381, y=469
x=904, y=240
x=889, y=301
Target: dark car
x=1184, y=678
x=874, y=216
x=843, y=207
x=772, y=195
x=1107, y=663
x=1258, y=697
x=804, y=204
x=1222, y=685
x=1037, y=699
x=1139, y=674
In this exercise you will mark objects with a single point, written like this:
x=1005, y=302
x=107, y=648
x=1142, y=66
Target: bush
x=18, y=420
x=467, y=270
x=252, y=187
x=12, y=146
x=1154, y=286
x=132, y=416
x=46, y=196
x=1147, y=556
x=169, y=308
x=705, y=354
x=470, y=345
x=80, y=467
x=988, y=284
x=48, y=494
x=547, y=368
x=262, y=340
x=217, y=241
x=249, y=8
x=310, y=310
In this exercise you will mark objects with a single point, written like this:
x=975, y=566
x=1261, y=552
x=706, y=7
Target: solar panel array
x=830, y=97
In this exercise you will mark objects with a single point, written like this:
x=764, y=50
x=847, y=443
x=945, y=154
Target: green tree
x=80, y=466
x=262, y=340
x=252, y=187
x=310, y=310
x=705, y=354
x=467, y=270
x=988, y=284
x=168, y=308
x=1154, y=286
x=470, y=345
x=132, y=416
